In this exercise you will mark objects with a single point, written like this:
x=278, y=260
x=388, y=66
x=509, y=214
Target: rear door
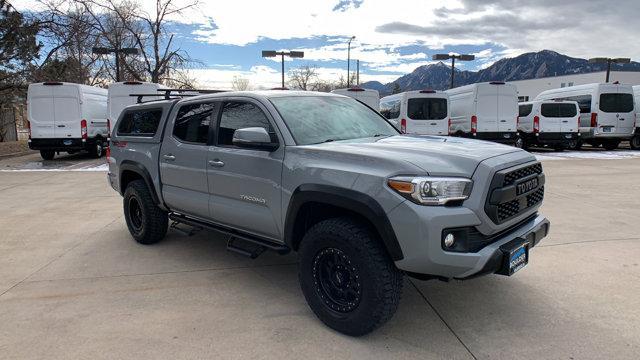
x=66, y=111
x=183, y=159
x=41, y=118
x=427, y=115
x=617, y=112
x=507, y=111
x=550, y=117
x=487, y=108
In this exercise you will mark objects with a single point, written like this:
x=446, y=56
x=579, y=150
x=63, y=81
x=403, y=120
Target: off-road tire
x=150, y=224
x=47, y=154
x=379, y=281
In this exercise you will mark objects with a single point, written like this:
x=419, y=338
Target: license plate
x=526, y=186
x=518, y=259
x=67, y=142
x=606, y=129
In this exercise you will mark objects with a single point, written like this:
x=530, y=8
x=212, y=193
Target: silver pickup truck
x=328, y=177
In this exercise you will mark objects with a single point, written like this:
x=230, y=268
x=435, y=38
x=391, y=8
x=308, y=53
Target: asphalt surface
x=73, y=284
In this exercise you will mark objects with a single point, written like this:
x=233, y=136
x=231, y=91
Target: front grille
x=513, y=176
x=503, y=202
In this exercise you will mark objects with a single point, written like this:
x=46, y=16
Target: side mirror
x=253, y=138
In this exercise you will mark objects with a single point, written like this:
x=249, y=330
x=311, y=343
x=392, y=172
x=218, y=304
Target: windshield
x=317, y=119
x=616, y=103
x=558, y=110
x=427, y=108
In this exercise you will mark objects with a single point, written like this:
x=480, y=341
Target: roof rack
x=170, y=94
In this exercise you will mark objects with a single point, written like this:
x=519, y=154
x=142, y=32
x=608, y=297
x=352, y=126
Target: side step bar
x=235, y=235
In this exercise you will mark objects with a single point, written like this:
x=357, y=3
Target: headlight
x=431, y=190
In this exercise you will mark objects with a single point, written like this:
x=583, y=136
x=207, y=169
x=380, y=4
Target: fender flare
x=351, y=200
x=128, y=165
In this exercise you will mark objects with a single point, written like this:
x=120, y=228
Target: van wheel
x=47, y=154
x=519, y=143
x=634, y=143
x=98, y=149
x=347, y=277
x=573, y=145
x=147, y=223
x=611, y=144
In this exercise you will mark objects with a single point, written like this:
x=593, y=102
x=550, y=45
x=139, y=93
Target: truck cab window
x=192, y=122
x=238, y=115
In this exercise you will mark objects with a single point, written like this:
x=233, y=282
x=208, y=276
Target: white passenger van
x=120, y=95
x=66, y=117
x=424, y=112
x=369, y=97
x=635, y=140
x=606, y=111
x=487, y=111
x=552, y=123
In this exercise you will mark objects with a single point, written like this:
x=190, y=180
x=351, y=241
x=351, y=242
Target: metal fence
x=13, y=122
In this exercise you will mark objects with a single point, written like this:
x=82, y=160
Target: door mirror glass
x=253, y=137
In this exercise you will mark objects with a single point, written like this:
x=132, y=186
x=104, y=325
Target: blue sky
x=392, y=37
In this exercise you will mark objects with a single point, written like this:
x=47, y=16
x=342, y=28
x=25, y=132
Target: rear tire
x=634, y=143
x=611, y=144
x=347, y=277
x=147, y=223
x=97, y=149
x=47, y=154
x=573, y=145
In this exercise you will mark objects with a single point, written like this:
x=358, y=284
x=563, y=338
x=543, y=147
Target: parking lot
x=73, y=284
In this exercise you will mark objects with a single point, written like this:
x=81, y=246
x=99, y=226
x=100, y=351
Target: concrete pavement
x=74, y=285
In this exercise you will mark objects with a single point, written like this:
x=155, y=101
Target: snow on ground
x=588, y=154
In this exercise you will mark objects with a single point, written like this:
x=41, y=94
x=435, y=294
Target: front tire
x=347, y=277
x=47, y=154
x=147, y=223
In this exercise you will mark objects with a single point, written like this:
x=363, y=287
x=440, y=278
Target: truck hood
x=436, y=155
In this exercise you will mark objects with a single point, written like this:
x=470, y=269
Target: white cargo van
x=119, y=95
x=635, y=140
x=487, y=111
x=66, y=117
x=606, y=111
x=552, y=123
x=423, y=112
x=369, y=97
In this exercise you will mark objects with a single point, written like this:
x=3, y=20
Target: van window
x=616, y=103
x=390, y=109
x=558, y=110
x=238, y=115
x=140, y=122
x=427, y=108
x=525, y=110
x=584, y=102
x=192, y=122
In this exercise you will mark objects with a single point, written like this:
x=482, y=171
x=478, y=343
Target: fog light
x=449, y=240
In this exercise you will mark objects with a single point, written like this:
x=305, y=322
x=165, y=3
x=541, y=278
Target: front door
x=244, y=184
x=183, y=159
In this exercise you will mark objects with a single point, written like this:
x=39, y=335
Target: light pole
x=609, y=61
x=349, y=59
x=291, y=54
x=453, y=57
x=116, y=52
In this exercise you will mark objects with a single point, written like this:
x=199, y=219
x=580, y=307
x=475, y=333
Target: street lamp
x=291, y=54
x=603, y=60
x=349, y=59
x=123, y=51
x=461, y=57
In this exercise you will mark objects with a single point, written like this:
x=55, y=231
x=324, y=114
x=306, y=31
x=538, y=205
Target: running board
x=244, y=248
x=234, y=234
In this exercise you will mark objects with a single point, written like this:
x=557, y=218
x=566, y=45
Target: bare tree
x=303, y=78
x=240, y=84
x=342, y=81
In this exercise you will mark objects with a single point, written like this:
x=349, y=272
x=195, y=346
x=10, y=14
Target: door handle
x=565, y=121
x=169, y=157
x=503, y=120
x=434, y=124
x=216, y=163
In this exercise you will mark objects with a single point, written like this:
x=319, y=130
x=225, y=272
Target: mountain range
x=526, y=66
